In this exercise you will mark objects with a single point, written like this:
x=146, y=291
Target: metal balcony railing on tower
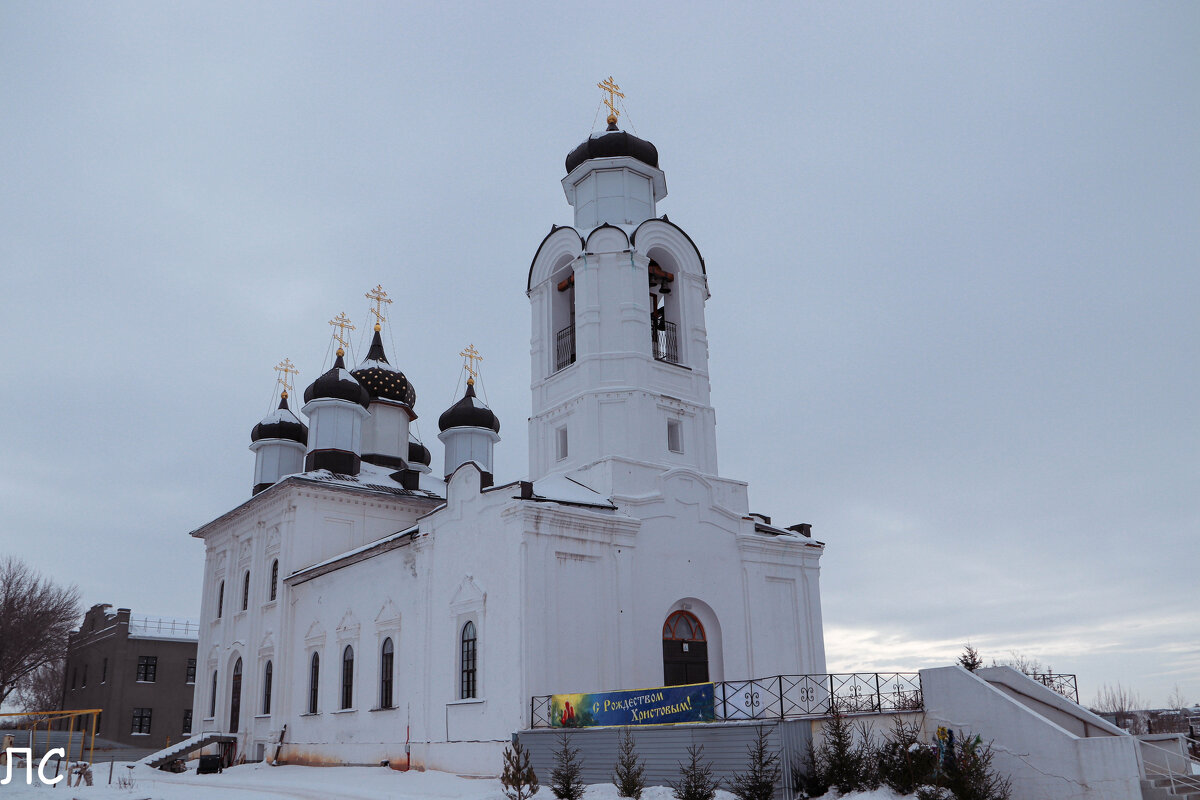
x=665, y=342
x=564, y=348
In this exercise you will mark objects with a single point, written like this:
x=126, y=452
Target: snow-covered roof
x=371, y=478
x=329, y=564
x=163, y=628
x=563, y=489
x=375, y=478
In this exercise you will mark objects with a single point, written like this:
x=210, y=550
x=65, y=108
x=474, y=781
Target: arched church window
x=235, y=697
x=220, y=599
x=386, y=659
x=468, y=661
x=348, y=677
x=562, y=317
x=274, y=578
x=246, y=590
x=266, y=701
x=212, y=698
x=314, y=674
x=685, y=650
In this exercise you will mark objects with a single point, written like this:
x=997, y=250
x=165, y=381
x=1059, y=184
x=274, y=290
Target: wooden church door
x=235, y=700
x=685, y=650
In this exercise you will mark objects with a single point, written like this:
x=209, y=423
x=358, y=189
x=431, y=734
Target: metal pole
x=781, y=697
x=110, y=767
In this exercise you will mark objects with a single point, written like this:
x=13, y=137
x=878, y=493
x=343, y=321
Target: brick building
x=140, y=670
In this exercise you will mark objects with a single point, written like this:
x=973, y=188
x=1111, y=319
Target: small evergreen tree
x=695, y=779
x=518, y=778
x=762, y=771
x=905, y=763
x=848, y=765
x=565, y=780
x=629, y=771
x=808, y=775
x=970, y=659
x=969, y=774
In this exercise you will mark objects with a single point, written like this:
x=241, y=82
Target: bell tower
x=619, y=349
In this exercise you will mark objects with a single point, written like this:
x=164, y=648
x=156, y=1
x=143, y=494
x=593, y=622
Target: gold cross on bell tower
x=342, y=323
x=378, y=296
x=470, y=357
x=286, y=370
x=613, y=92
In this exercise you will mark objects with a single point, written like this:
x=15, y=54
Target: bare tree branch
x=36, y=615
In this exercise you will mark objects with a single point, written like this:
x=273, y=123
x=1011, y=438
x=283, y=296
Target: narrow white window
x=674, y=436
x=562, y=442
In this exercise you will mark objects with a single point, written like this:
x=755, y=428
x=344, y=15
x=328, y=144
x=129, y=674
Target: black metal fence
x=665, y=342
x=564, y=348
x=1063, y=684
x=786, y=696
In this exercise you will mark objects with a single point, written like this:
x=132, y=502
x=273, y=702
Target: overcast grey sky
x=952, y=251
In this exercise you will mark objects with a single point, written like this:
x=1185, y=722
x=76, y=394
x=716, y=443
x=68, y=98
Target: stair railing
x=1182, y=781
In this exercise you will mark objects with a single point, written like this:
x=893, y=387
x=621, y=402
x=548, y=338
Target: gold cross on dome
x=614, y=92
x=378, y=296
x=470, y=356
x=342, y=323
x=286, y=370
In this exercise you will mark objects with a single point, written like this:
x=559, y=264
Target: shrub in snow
x=695, y=779
x=967, y=771
x=518, y=778
x=629, y=771
x=904, y=762
x=762, y=771
x=845, y=759
x=564, y=778
x=808, y=776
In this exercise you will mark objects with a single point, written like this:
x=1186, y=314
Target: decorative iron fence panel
x=564, y=348
x=665, y=342
x=784, y=696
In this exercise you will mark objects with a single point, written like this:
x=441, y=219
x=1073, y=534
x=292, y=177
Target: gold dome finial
x=470, y=357
x=378, y=296
x=343, y=324
x=613, y=91
x=286, y=370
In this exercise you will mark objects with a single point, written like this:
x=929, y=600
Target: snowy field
x=310, y=783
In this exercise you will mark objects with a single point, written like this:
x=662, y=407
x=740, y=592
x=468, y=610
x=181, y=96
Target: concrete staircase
x=1050, y=747
x=185, y=747
x=1170, y=771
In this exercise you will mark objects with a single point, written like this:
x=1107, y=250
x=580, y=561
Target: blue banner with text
x=690, y=703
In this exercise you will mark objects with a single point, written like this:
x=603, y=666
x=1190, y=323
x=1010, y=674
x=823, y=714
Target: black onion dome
x=611, y=144
x=381, y=379
x=337, y=384
x=469, y=412
x=418, y=453
x=281, y=424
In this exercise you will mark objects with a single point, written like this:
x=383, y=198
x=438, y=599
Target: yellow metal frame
x=50, y=717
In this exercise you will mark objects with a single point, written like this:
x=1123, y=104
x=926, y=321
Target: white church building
x=362, y=607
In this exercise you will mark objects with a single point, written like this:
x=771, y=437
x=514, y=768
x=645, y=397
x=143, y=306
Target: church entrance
x=685, y=650
x=235, y=699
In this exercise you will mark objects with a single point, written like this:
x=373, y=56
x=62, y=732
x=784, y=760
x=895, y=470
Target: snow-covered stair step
x=188, y=745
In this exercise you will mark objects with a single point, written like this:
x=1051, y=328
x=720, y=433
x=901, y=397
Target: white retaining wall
x=1037, y=736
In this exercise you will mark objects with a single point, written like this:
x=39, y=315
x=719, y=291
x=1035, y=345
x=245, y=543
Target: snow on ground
x=253, y=781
